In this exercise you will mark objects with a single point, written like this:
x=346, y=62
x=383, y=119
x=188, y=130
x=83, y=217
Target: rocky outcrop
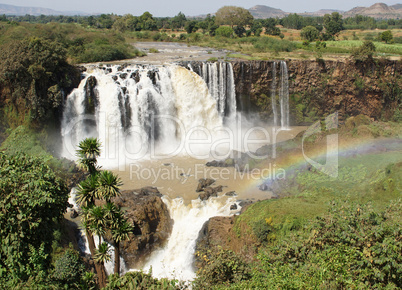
x=323, y=87
x=152, y=223
x=219, y=232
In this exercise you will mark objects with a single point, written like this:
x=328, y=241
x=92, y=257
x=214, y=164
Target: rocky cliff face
x=152, y=223
x=319, y=88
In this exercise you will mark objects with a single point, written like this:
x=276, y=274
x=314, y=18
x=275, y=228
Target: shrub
x=364, y=52
x=224, y=31
x=140, y=281
x=272, y=44
x=219, y=267
x=353, y=246
x=68, y=268
x=309, y=33
x=32, y=199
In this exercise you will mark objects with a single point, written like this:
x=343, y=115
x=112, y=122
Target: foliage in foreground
x=32, y=200
x=352, y=246
x=139, y=281
x=219, y=267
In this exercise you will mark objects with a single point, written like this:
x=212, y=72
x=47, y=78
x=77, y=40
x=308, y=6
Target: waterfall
x=137, y=109
x=273, y=94
x=284, y=96
x=175, y=260
x=219, y=78
x=280, y=91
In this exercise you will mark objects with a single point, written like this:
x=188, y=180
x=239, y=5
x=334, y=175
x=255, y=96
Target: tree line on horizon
x=209, y=23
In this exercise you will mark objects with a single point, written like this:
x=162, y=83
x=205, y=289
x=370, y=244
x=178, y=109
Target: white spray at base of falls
x=138, y=109
x=175, y=260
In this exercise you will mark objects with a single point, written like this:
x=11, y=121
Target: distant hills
x=378, y=11
x=36, y=11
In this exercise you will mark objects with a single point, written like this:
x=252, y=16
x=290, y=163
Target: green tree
x=32, y=200
x=178, y=21
x=88, y=152
x=100, y=220
x=233, y=15
x=120, y=230
x=386, y=36
x=309, y=33
x=224, y=31
x=147, y=22
x=364, y=52
x=333, y=24
x=270, y=26
x=240, y=31
x=191, y=26
x=33, y=75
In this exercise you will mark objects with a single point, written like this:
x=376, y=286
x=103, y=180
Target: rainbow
x=328, y=155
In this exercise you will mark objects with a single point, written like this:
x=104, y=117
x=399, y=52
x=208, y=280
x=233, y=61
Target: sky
x=160, y=8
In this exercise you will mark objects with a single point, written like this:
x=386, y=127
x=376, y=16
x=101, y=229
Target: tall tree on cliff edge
x=233, y=15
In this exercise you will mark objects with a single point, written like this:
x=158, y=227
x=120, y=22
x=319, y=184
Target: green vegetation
x=32, y=202
x=80, y=44
x=140, y=281
x=232, y=15
x=33, y=74
x=222, y=267
x=309, y=33
x=328, y=232
x=106, y=37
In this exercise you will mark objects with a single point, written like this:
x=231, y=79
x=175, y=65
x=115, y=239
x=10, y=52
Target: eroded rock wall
x=319, y=88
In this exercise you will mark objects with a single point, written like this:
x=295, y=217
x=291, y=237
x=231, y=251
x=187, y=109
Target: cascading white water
x=284, y=96
x=280, y=90
x=273, y=94
x=175, y=260
x=220, y=80
x=138, y=109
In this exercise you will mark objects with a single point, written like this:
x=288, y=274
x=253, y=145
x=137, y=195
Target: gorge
x=143, y=111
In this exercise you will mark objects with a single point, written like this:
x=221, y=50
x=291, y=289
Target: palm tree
x=97, y=221
x=101, y=257
x=108, y=185
x=121, y=229
x=88, y=152
x=89, y=222
x=87, y=191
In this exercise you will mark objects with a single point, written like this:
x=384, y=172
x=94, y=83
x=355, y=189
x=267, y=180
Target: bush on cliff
x=34, y=76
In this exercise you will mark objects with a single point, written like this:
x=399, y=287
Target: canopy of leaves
x=333, y=23
x=309, y=33
x=32, y=198
x=386, y=36
x=33, y=75
x=232, y=15
x=364, y=52
x=353, y=246
x=224, y=31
